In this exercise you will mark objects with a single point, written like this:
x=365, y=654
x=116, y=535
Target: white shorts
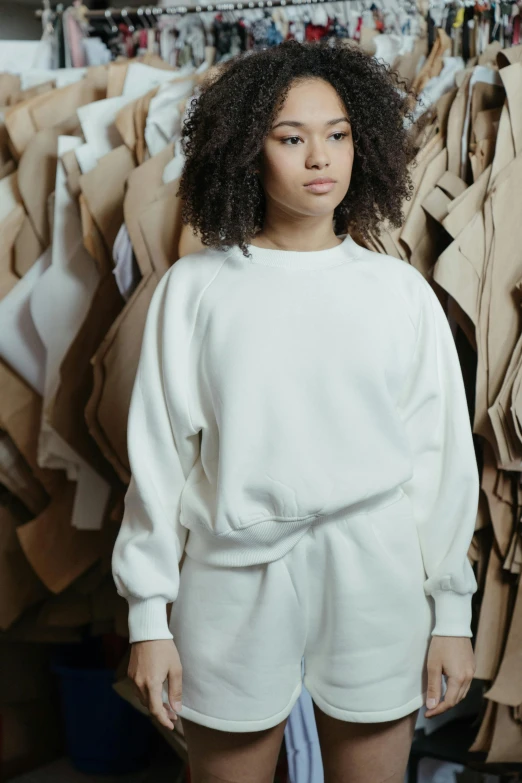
x=348, y=597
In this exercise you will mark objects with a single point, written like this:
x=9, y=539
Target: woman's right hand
x=151, y=663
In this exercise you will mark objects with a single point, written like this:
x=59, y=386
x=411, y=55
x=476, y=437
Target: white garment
x=164, y=118
x=141, y=78
x=96, y=52
x=99, y=130
x=60, y=300
x=438, y=85
x=348, y=597
x=20, y=56
x=276, y=391
x=20, y=344
x=126, y=270
x=62, y=77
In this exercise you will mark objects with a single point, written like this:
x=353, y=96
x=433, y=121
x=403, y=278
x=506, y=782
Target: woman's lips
x=320, y=187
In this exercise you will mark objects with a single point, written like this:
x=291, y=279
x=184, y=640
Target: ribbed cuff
x=452, y=613
x=148, y=619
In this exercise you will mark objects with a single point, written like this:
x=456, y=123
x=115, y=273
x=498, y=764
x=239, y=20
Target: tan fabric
x=419, y=234
x=436, y=204
x=9, y=88
x=505, y=57
x=142, y=188
x=464, y=207
x=482, y=424
x=27, y=248
x=20, y=414
x=20, y=588
x=485, y=124
x=140, y=119
x=506, y=743
x=452, y=185
x=57, y=552
x=9, y=229
x=457, y=314
x=67, y=413
x=115, y=365
x=500, y=510
x=92, y=238
x=460, y=268
x=406, y=64
x=505, y=147
x=39, y=89
x=103, y=190
x=512, y=79
x=493, y=620
x=7, y=164
x=39, y=155
x=482, y=157
x=503, y=324
x=115, y=362
x=484, y=736
x=490, y=53
x=455, y=130
x=433, y=65
x=116, y=74
x=54, y=109
x=17, y=478
x=72, y=169
x=102, y=214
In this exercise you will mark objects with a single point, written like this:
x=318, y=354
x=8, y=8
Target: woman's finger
x=434, y=686
x=156, y=707
x=450, y=698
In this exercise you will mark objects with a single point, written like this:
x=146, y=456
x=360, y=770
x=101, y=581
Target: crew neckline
x=301, y=259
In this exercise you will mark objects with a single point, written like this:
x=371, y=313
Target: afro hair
x=227, y=121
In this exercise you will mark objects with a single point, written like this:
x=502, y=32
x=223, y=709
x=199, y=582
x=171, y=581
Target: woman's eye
x=292, y=139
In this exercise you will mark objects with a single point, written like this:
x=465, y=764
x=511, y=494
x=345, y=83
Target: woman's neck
x=288, y=238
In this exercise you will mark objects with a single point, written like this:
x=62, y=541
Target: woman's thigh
x=364, y=752
x=233, y=757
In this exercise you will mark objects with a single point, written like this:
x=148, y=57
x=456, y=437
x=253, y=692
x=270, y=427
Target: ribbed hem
x=148, y=619
x=271, y=539
x=452, y=613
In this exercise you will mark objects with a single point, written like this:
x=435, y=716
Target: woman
x=299, y=428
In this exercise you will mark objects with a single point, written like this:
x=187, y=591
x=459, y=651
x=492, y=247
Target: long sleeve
x=162, y=448
x=444, y=488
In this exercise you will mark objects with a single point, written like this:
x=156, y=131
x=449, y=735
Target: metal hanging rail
x=149, y=12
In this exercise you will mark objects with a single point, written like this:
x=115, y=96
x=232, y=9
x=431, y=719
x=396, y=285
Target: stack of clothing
x=461, y=233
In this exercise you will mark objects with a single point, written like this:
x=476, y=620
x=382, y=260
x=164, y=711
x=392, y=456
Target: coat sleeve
x=444, y=488
x=162, y=448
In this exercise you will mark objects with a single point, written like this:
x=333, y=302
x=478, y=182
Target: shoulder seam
x=202, y=293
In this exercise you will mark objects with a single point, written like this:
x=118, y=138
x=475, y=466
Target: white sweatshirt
x=285, y=388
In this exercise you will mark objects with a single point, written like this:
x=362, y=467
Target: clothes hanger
x=113, y=26
x=125, y=16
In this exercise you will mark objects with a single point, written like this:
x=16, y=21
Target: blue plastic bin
x=104, y=734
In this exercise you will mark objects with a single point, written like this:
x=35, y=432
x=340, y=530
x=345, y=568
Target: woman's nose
x=318, y=156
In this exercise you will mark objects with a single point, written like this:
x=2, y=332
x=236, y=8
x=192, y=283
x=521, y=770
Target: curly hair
x=226, y=124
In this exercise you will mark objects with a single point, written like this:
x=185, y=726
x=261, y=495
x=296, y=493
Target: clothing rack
x=148, y=12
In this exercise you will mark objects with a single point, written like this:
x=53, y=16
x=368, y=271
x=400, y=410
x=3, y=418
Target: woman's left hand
x=452, y=656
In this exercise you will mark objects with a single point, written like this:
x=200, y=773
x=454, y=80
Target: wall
x=18, y=21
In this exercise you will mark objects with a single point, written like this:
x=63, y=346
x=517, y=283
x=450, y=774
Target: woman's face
x=309, y=139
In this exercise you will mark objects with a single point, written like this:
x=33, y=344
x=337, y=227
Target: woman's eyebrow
x=295, y=124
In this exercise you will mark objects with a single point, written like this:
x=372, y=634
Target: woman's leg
x=364, y=752
x=232, y=757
